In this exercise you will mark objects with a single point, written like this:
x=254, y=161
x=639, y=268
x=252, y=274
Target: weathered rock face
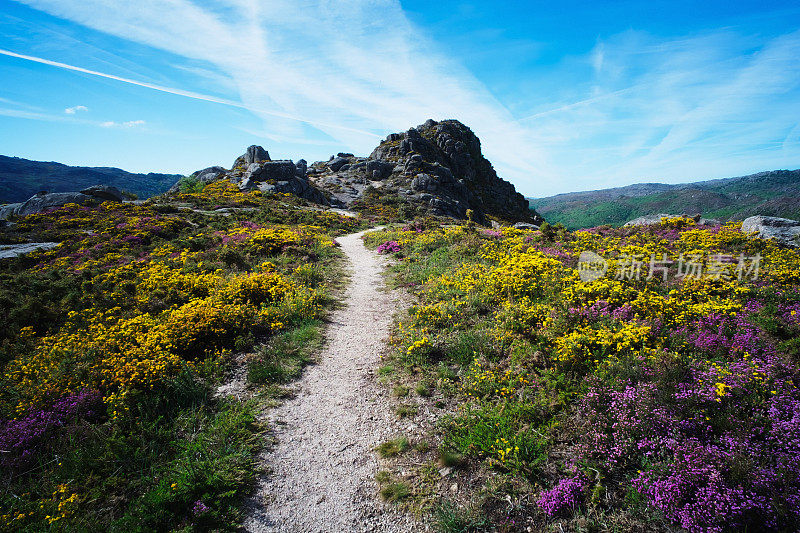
x=207, y=175
x=437, y=166
x=255, y=170
x=43, y=202
x=783, y=230
x=649, y=220
x=104, y=192
x=9, y=210
x=254, y=154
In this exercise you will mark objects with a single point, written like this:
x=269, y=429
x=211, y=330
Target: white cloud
x=712, y=105
x=75, y=109
x=128, y=124
x=706, y=105
x=355, y=69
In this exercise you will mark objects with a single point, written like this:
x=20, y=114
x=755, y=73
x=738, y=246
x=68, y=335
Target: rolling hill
x=772, y=193
x=22, y=178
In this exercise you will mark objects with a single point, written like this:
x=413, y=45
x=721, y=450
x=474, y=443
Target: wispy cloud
x=178, y=92
x=382, y=74
x=639, y=107
x=127, y=124
x=707, y=105
x=75, y=109
x=50, y=117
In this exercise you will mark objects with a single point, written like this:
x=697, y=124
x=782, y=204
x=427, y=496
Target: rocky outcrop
x=253, y=154
x=783, y=230
x=43, y=202
x=9, y=210
x=207, y=175
x=437, y=166
x=14, y=250
x=104, y=192
x=649, y=220
x=256, y=170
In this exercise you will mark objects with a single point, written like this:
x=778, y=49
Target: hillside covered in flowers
x=112, y=345
x=650, y=388
x=640, y=378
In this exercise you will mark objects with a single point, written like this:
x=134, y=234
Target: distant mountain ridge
x=22, y=178
x=770, y=193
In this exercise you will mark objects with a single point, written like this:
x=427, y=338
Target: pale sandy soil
x=322, y=467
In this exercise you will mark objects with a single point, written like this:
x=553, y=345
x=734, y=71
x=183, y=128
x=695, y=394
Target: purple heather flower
x=389, y=247
x=566, y=495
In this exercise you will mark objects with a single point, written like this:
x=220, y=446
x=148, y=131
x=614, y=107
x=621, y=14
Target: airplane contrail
x=180, y=92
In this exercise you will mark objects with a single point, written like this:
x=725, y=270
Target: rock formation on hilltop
x=436, y=168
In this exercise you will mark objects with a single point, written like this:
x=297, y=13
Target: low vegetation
x=113, y=344
x=646, y=399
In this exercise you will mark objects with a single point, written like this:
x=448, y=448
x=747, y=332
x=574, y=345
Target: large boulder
x=279, y=177
x=294, y=185
x=270, y=170
x=254, y=154
x=302, y=167
x=207, y=175
x=525, y=226
x=9, y=210
x=378, y=169
x=104, y=192
x=648, y=220
x=444, y=159
x=337, y=163
x=43, y=202
x=783, y=230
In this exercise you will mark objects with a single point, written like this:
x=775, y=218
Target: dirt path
x=323, y=466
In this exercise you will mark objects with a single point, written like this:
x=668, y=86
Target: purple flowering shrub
x=389, y=247
x=711, y=441
x=565, y=496
x=23, y=439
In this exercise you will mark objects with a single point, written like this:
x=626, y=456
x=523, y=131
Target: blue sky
x=564, y=95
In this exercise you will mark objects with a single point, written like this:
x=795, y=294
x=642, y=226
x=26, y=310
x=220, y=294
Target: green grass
x=395, y=491
x=423, y=389
x=405, y=410
x=400, y=391
x=178, y=448
x=422, y=446
x=215, y=466
x=448, y=518
x=393, y=448
x=284, y=357
x=450, y=458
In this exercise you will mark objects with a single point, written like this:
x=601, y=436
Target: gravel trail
x=321, y=469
